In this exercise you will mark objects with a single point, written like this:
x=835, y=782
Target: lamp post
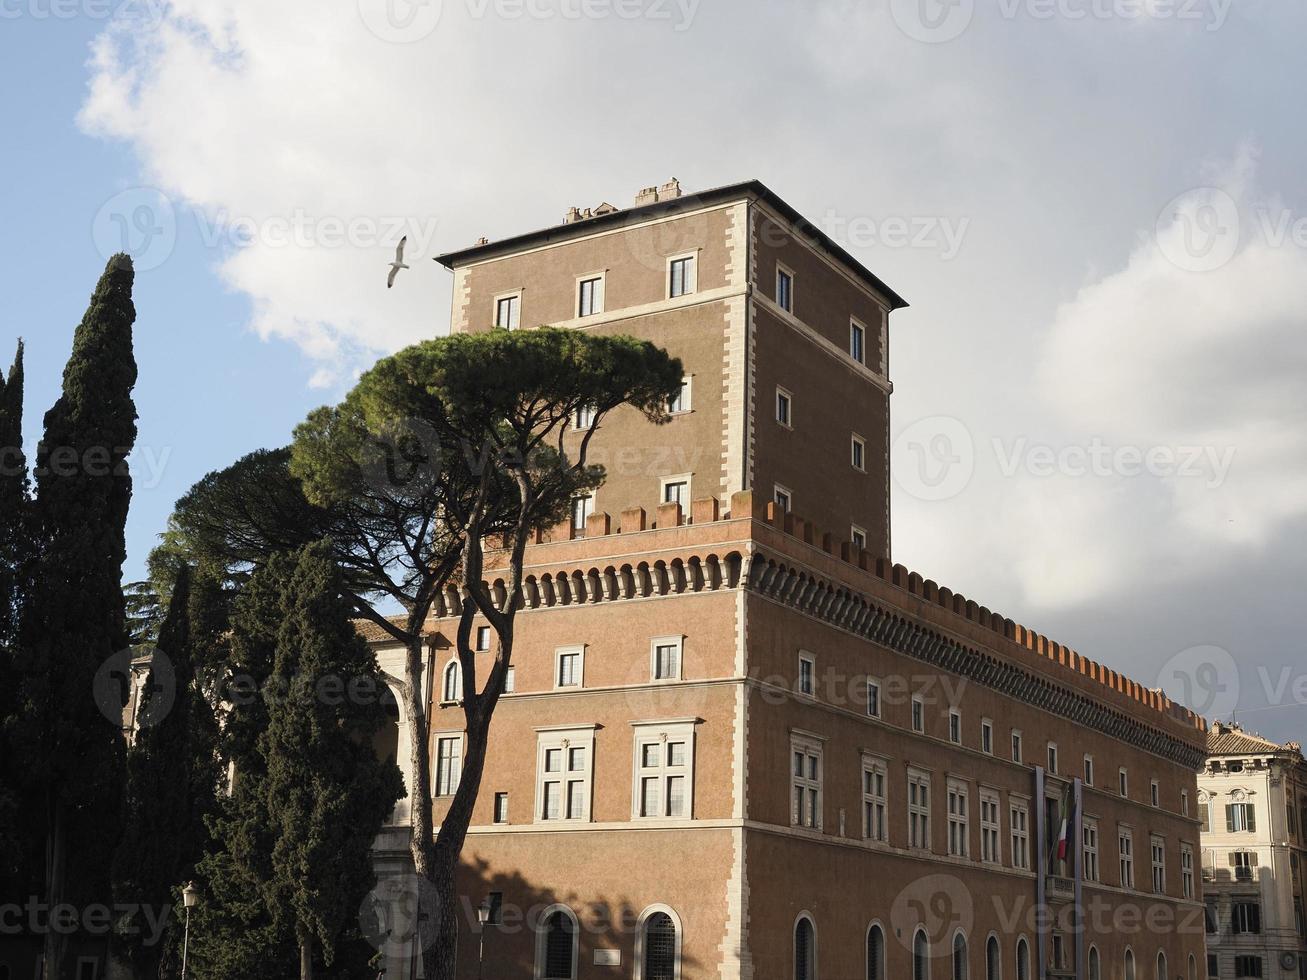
x=484, y=911
x=190, y=895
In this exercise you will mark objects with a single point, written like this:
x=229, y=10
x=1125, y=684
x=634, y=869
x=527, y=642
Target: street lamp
x=484, y=911
x=190, y=895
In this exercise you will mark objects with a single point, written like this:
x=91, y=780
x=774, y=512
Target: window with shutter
x=659, y=947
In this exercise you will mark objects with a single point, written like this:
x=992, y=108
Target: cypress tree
x=73, y=617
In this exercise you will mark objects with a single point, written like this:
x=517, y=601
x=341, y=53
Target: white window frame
x=858, y=537
x=779, y=491
x=959, y=818
x=1089, y=844
x=583, y=419
x=456, y=774
x=783, y=269
x=991, y=827
x=873, y=700
x=811, y=661
x=482, y=645
x=587, y=510
x=600, y=277
x=918, y=810
x=917, y=714
x=642, y=924
x=693, y=258
x=858, y=450
x=667, y=481
x=1157, y=855
x=665, y=641
x=579, y=652
x=809, y=790
x=1089, y=769
x=1019, y=832
x=856, y=325
x=1125, y=848
x=1018, y=746
x=542, y=938
x=785, y=394
x=494, y=807
x=987, y=736
x=875, y=805
x=686, y=397
x=1155, y=793
x=1123, y=782
x=494, y=310
x=510, y=680
x=564, y=740
x=661, y=734
x=955, y=726
x=1187, y=871
x=455, y=668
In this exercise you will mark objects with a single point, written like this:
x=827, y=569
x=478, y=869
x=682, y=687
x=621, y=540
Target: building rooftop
x=1227, y=738
x=607, y=216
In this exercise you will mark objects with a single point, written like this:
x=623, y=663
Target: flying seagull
x=398, y=263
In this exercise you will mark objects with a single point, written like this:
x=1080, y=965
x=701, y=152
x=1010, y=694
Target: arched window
x=805, y=950
x=452, y=688
x=1129, y=964
x=658, y=954
x=875, y=953
x=920, y=956
x=1023, y=959
x=959, y=957
x=1161, y=966
x=1095, y=964
x=993, y=960
x=1193, y=967
x=556, y=945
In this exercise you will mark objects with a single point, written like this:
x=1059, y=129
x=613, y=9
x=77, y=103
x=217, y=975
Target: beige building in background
x=1253, y=802
x=739, y=741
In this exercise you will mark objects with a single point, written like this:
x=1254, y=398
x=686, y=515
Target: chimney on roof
x=573, y=216
x=669, y=191
x=483, y=240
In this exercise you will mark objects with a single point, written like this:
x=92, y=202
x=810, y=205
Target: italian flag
x=1063, y=837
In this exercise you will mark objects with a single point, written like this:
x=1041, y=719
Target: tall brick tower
x=739, y=741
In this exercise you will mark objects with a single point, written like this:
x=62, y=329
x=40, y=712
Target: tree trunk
x=306, y=955
x=54, y=886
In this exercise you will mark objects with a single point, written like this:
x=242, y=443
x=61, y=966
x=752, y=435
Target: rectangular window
x=918, y=713
x=1125, y=843
x=563, y=773
x=510, y=680
x=1020, y=823
x=1123, y=782
x=569, y=667
x=680, y=402
x=676, y=490
x=1016, y=746
x=873, y=698
x=955, y=726
x=807, y=675
x=806, y=782
x=991, y=847
x=785, y=289
x=1089, y=832
x=874, y=811
x=784, y=408
x=501, y=808
x=857, y=342
x=1247, y=966
x=664, y=761
x=582, y=509
x=1052, y=757
x=449, y=764
x=1089, y=770
x=919, y=810
x=986, y=736
x=1213, y=966
x=783, y=498
x=1243, y=863
x=858, y=453
x=858, y=537
x=1240, y=818
x=667, y=658
x=508, y=312
x=1186, y=871
x=1246, y=917
x=1184, y=803
x=483, y=639
x=681, y=277
x=1158, y=851
x=958, y=829
x=590, y=296
x=1155, y=794
x=584, y=418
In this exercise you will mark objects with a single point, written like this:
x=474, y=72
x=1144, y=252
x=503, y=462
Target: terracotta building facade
x=740, y=742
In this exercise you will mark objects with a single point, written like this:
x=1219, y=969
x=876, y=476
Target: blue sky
x=1105, y=207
